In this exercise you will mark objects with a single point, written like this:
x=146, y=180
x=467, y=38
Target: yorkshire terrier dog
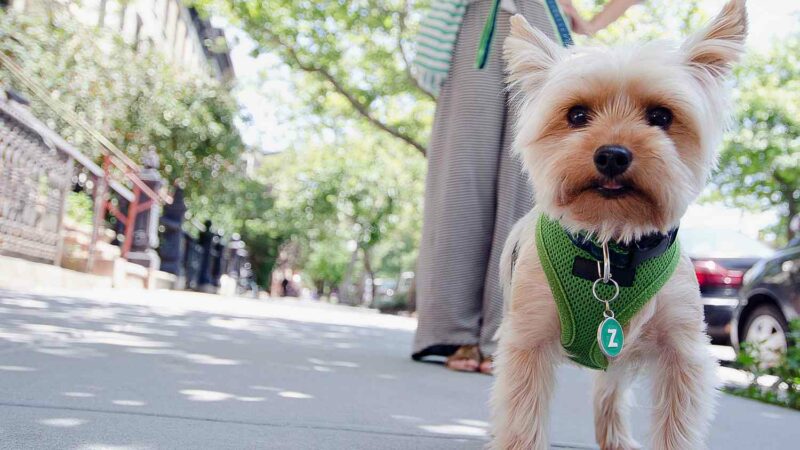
x=617, y=142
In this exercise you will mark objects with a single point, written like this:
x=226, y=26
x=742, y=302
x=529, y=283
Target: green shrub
x=80, y=208
x=394, y=304
x=785, y=391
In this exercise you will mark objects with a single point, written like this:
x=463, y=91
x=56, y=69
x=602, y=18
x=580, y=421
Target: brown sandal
x=465, y=359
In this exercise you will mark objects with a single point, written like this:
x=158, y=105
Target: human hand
x=581, y=26
x=577, y=23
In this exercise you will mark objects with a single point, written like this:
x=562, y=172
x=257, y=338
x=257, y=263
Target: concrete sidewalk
x=141, y=370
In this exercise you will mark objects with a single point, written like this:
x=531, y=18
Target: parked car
x=391, y=295
x=770, y=299
x=721, y=257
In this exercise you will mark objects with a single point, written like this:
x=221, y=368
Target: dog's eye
x=578, y=116
x=659, y=117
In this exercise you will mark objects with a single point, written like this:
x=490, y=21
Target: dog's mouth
x=612, y=188
x=616, y=189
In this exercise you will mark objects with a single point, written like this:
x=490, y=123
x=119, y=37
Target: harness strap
x=579, y=313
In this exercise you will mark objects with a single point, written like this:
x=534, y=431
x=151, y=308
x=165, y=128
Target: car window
x=716, y=243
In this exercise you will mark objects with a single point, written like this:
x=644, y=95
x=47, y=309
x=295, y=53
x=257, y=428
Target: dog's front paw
x=621, y=443
x=515, y=443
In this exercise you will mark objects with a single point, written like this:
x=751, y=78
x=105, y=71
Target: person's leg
x=514, y=200
x=514, y=194
x=460, y=197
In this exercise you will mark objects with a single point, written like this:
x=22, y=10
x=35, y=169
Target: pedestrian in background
x=475, y=189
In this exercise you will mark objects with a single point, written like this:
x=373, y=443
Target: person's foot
x=465, y=359
x=486, y=366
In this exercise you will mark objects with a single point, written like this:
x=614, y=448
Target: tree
x=326, y=264
x=352, y=58
x=133, y=97
x=652, y=19
x=350, y=61
x=348, y=205
x=140, y=103
x=760, y=165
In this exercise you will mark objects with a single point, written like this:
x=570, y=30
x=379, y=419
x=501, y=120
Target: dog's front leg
x=521, y=396
x=684, y=390
x=528, y=351
x=685, y=373
x=612, y=398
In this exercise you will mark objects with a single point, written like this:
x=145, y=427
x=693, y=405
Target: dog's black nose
x=612, y=160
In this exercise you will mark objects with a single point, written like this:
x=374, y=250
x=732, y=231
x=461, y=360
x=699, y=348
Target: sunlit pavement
x=138, y=370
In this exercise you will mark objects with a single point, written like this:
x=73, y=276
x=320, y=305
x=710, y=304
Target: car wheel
x=766, y=330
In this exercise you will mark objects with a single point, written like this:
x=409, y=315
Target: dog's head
x=619, y=141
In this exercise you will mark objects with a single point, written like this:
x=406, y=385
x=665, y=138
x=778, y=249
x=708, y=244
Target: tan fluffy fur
x=669, y=169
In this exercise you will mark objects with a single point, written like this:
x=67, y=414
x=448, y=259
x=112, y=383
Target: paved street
x=141, y=370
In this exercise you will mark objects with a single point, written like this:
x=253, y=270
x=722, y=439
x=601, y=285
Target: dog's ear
x=719, y=45
x=529, y=55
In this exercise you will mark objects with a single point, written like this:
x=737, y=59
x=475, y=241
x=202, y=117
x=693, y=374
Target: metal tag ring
x=616, y=290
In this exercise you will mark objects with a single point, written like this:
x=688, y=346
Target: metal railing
x=36, y=178
x=117, y=173
x=38, y=169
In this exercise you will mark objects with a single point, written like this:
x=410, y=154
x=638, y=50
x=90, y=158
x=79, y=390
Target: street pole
x=100, y=188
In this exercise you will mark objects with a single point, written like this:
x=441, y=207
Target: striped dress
x=475, y=192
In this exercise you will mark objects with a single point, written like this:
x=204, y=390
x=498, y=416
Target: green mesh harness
x=579, y=312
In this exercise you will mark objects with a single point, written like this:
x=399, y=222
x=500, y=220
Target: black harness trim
x=624, y=258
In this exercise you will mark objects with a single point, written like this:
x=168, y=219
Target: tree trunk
x=345, y=294
x=794, y=209
x=371, y=274
x=412, y=295
x=358, y=298
x=319, y=285
x=787, y=192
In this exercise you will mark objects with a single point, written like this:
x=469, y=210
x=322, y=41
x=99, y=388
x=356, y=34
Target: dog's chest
x=591, y=330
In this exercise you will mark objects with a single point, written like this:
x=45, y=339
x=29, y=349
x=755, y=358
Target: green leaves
x=653, y=19
x=353, y=56
x=760, y=163
x=785, y=390
x=362, y=195
x=137, y=100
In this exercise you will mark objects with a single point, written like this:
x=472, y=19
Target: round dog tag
x=610, y=337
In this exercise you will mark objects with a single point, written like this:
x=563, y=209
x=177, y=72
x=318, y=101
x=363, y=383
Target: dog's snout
x=612, y=160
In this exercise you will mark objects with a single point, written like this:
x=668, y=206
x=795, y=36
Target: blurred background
x=156, y=151
x=296, y=129
x=277, y=148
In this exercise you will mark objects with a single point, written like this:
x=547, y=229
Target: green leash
x=486, y=36
x=556, y=16
x=593, y=313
